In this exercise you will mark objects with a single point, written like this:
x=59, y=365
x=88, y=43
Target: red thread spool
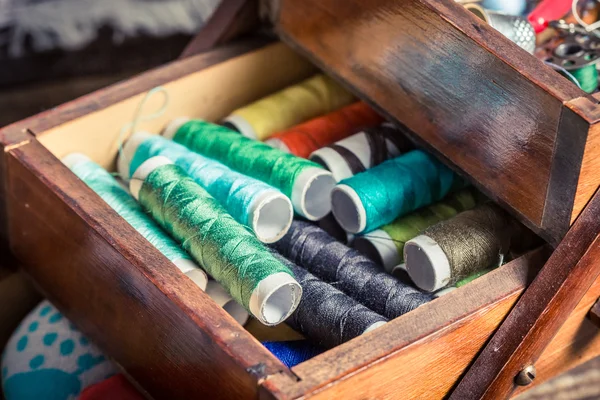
x=303, y=139
x=546, y=11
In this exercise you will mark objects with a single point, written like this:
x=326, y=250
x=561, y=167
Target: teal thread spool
x=394, y=188
x=304, y=182
x=264, y=209
x=227, y=250
x=587, y=77
x=101, y=182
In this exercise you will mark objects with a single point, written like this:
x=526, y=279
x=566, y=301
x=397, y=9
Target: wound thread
x=407, y=227
x=351, y=272
x=306, y=183
x=228, y=251
x=243, y=197
x=362, y=151
x=326, y=315
x=103, y=183
x=293, y=352
x=452, y=250
x=392, y=189
x=311, y=98
x=301, y=140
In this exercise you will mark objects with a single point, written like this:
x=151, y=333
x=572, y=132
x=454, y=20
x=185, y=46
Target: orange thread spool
x=303, y=139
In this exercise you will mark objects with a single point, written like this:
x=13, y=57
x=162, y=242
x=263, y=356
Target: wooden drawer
x=526, y=136
x=165, y=332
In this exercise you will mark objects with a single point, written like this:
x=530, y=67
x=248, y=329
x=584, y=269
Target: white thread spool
x=270, y=215
x=187, y=266
x=311, y=190
x=359, y=145
x=223, y=299
x=379, y=247
x=427, y=264
x=274, y=298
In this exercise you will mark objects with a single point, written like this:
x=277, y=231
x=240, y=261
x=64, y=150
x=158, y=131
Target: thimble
x=517, y=29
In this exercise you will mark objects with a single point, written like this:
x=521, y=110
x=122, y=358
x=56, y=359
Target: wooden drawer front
x=475, y=98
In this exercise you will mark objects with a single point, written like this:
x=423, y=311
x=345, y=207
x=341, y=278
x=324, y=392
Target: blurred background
x=52, y=51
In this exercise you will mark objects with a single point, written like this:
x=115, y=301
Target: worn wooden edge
x=17, y=132
x=539, y=313
x=33, y=164
x=507, y=51
x=423, y=325
x=567, y=157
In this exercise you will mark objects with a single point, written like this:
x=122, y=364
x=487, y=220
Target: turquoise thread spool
x=394, y=188
x=264, y=209
x=226, y=249
x=305, y=183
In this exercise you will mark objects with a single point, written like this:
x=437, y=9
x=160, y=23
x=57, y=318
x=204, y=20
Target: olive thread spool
x=301, y=140
x=362, y=151
x=116, y=196
x=228, y=251
x=308, y=99
x=454, y=249
x=392, y=189
x=305, y=183
x=386, y=244
x=264, y=209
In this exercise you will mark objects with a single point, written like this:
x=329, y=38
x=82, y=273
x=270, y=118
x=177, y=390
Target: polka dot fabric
x=48, y=358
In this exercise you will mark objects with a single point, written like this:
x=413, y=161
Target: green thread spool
x=587, y=77
x=304, y=182
x=386, y=245
x=101, y=182
x=228, y=251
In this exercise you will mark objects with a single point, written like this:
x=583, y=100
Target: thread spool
x=301, y=140
x=264, y=209
x=385, y=246
x=452, y=250
x=305, y=183
x=227, y=250
x=293, y=352
x=326, y=315
x=330, y=225
x=224, y=300
x=362, y=151
x=101, y=182
x=392, y=189
x=354, y=274
x=315, y=96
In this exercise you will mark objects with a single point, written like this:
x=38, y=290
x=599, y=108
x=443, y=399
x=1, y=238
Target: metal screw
x=525, y=376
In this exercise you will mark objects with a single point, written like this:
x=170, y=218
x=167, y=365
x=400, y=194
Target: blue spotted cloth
x=48, y=358
x=294, y=352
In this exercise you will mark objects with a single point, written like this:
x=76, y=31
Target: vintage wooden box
x=516, y=129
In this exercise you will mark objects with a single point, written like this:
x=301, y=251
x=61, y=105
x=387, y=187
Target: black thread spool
x=326, y=315
x=351, y=272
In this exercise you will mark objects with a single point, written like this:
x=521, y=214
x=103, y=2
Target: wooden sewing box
x=520, y=132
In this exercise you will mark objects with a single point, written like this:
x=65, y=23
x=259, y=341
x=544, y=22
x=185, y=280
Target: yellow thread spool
x=309, y=99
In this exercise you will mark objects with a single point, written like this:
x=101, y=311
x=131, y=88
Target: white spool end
x=379, y=247
x=333, y=161
x=275, y=298
x=374, y=326
x=128, y=152
x=71, y=160
x=277, y=144
x=271, y=216
x=400, y=272
x=192, y=271
x=426, y=263
x=348, y=209
x=224, y=300
x=311, y=194
x=444, y=291
x=242, y=126
x=140, y=174
x=173, y=126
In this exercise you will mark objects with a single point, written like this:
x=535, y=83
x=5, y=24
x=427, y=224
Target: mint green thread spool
x=304, y=182
x=228, y=251
x=253, y=203
x=111, y=191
